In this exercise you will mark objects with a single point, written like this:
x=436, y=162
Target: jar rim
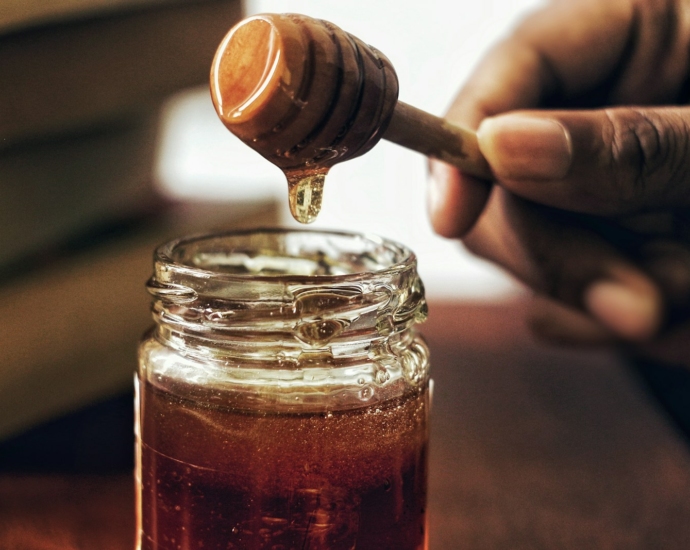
x=165, y=254
x=267, y=304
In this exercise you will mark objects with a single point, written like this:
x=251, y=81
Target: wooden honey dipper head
x=307, y=95
x=303, y=93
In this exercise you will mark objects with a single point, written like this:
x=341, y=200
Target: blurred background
x=109, y=146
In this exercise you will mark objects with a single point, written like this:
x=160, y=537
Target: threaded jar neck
x=313, y=294
x=294, y=319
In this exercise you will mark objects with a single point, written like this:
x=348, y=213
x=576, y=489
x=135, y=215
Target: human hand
x=592, y=202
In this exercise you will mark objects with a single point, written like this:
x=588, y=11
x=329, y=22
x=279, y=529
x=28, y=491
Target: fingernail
x=632, y=313
x=525, y=147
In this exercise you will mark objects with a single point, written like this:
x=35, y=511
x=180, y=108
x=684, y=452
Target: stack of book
x=82, y=83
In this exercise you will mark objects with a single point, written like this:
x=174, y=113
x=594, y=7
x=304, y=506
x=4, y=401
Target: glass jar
x=282, y=395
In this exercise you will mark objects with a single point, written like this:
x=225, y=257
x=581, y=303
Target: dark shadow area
x=96, y=439
x=670, y=385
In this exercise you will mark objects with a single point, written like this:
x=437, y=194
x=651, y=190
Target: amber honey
x=220, y=479
x=283, y=395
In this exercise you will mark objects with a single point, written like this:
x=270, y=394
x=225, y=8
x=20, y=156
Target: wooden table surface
x=531, y=448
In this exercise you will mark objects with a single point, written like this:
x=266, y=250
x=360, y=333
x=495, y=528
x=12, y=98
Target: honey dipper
x=307, y=95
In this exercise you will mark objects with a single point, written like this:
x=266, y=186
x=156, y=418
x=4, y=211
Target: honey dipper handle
x=437, y=138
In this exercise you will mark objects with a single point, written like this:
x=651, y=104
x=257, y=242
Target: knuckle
x=646, y=155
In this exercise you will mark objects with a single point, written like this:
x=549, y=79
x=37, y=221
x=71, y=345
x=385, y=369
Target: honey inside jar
x=283, y=395
x=221, y=478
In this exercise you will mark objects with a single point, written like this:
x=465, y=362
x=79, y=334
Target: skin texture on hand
x=582, y=116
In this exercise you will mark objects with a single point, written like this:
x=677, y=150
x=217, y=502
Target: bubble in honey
x=305, y=194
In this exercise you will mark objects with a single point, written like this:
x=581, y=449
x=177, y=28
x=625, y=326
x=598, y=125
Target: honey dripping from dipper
x=305, y=193
x=304, y=94
x=307, y=95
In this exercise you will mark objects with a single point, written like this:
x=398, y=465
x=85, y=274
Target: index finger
x=555, y=55
x=560, y=51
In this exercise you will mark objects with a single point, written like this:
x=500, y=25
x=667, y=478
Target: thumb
x=606, y=162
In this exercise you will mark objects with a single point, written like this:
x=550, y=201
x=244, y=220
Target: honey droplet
x=305, y=194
